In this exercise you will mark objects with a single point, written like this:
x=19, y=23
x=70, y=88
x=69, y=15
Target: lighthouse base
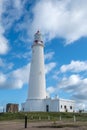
x=33, y=105
x=48, y=105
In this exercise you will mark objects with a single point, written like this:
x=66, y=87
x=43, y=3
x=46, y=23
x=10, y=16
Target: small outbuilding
x=10, y=107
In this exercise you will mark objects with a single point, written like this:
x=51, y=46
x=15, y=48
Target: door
x=47, y=108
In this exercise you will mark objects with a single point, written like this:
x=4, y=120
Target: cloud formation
x=75, y=86
x=50, y=90
x=10, y=12
x=50, y=66
x=5, y=66
x=4, y=47
x=65, y=19
x=71, y=82
x=49, y=55
x=56, y=19
x=17, y=78
x=74, y=66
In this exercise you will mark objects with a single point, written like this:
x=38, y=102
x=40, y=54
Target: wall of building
x=49, y=105
x=59, y=105
x=52, y=104
x=12, y=107
x=33, y=105
x=66, y=105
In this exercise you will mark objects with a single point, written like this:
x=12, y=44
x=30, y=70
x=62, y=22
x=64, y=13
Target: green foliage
x=43, y=116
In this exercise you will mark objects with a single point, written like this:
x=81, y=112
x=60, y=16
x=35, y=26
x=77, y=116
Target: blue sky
x=63, y=25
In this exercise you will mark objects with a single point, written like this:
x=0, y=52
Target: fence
x=45, y=116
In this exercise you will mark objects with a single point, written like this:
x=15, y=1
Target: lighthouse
x=37, y=99
x=37, y=83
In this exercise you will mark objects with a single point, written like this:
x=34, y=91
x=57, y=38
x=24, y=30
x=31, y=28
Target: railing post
x=74, y=118
x=25, y=120
x=48, y=117
x=60, y=118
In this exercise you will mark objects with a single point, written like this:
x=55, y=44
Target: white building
x=37, y=100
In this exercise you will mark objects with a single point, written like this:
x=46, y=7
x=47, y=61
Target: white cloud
x=81, y=106
x=69, y=82
x=26, y=55
x=1, y=7
x=22, y=73
x=3, y=46
x=76, y=85
x=18, y=4
x=12, y=11
x=49, y=55
x=16, y=78
x=11, y=14
x=74, y=66
x=50, y=90
x=5, y=65
x=65, y=19
x=3, y=42
x=49, y=67
x=9, y=66
x=2, y=78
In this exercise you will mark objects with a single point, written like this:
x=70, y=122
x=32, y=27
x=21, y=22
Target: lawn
x=44, y=116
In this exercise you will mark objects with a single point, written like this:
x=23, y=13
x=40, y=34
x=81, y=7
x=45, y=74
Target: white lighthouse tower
x=37, y=83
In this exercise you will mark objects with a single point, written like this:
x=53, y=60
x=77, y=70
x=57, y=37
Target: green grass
x=43, y=116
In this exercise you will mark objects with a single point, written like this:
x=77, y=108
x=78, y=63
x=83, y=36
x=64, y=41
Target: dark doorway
x=47, y=108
